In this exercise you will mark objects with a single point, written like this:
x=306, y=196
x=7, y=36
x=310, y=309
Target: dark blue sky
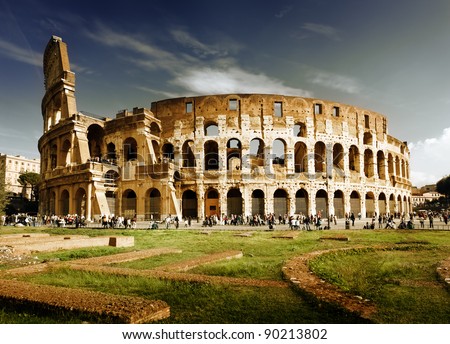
x=387, y=56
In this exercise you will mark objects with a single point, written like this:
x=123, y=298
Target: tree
x=443, y=187
x=3, y=198
x=31, y=179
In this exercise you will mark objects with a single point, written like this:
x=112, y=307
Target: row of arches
x=282, y=203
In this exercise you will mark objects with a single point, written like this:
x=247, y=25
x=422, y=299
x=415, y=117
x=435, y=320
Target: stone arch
x=189, y=204
x=301, y=202
x=382, y=202
x=279, y=152
x=64, y=200
x=234, y=152
x=301, y=157
x=211, y=149
x=299, y=130
x=338, y=203
x=188, y=154
x=212, y=202
x=370, y=204
x=320, y=157
x=211, y=129
x=168, y=151
x=338, y=158
x=280, y=202
x=368, y=163
x=258, y=201
x=153, y=204
x=130, y=149
x=355, y=203
x=353, y=159
x=111, y=153
x=234, y=202
x=392, y=205
x=80, y=202
x=155, y=129
x=129, y=203
x=368, y=138
x=381, y=165
x=95, y=135
x=66, y=150
x=322, y=203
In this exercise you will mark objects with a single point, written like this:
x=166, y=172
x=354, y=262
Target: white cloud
x=323, y=30
x=233, y=80
x=335, y=81
x=193, y=75
x=429, y=162
x=17, y=53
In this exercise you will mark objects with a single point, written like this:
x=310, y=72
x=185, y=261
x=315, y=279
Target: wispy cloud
x=217, y=74
x=18, y=53
x=335, y=81
x=285, y=10
x=233, y=80
x=427, y=162
x=322, y=30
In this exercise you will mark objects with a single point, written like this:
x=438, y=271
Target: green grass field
x=402, y=282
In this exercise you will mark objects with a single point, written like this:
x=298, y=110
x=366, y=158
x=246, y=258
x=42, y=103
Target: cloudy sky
x=388, y=56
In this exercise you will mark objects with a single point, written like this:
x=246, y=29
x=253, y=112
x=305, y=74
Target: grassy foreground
x=401, y=282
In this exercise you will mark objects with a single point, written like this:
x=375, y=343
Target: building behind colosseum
x=216, y=155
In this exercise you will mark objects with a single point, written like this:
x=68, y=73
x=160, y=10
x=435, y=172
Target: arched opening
x=130, y=151
x=188, y=154
x=111, y=153
x=338, y=203
x=189, y=204
x=400, y=205
x=382, y=203
x=368, y=163
x=301, y=157
x=397, y=167
x=155, y=129
x=355, y=203
x=381, y=165
x=391, y=169
x=234, y=202
x=370, y=204
x=95, y=134
x=168, y=151
x=280, y=202
x=367, y=139
x=234, y=151
x=211, y=129
x=53, y=156
x=279, y=152
x=338, y=159
x=320, y=157
x=65, y=153
x=353, y=159
x=211, y=149
x=80, y=202
x=212, y=206
x=299, y=130
x=256, y=153
x=322, y=203
x=258, y=202
x=129, y=203
x=153, y=204
x=392, y=207
x=64, y=202
x=301, y=202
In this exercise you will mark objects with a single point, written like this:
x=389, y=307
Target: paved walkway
x=340, y=224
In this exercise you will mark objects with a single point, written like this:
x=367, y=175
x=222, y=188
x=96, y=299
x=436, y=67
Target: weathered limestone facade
x=218, y=154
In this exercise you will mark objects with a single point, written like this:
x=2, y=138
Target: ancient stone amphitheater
x=216, y=155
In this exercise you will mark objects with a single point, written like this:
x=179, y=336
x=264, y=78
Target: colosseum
x=241, y=154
